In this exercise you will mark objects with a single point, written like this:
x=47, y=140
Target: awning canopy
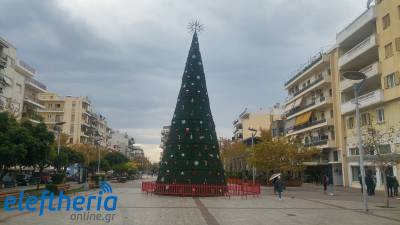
x=303, y=118
x=293, y=104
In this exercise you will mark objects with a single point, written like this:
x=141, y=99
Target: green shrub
x=52, y=188
x=58, y=178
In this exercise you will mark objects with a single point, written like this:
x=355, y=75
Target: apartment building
x=258, y=120
x=81, y=123
x=309, y=116
x=125, y=144
x=18, y=88
x=371, y=44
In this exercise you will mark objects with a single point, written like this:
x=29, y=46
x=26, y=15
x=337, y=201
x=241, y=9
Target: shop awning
x=303, y=118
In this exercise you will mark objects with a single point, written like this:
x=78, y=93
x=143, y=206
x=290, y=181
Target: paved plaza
x=305, y=205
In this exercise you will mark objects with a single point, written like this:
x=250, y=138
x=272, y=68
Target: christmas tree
x=192, y=154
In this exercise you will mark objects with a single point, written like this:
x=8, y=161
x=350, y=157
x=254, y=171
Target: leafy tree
x=13, y=139
x=234, y=156
x=281, y=155
x=104, y=165
x=115, y=158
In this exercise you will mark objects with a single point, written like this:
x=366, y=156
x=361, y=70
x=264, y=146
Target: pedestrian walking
x=325, y=181
x=361, y=182
x=395, y=186
x=374, y=184
x=279, y=187
x=369, y=183
x=389, y=185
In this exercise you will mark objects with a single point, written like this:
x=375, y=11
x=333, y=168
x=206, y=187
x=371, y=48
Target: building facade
x=18, y=88
x=258, y=120
x=371, y=44
x=309, y=117
x=80, y=122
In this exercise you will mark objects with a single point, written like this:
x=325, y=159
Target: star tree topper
x=195, y=27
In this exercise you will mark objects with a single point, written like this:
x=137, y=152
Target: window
x=350, y=123
x=355, y=171
x=71, y=131
x=330, y=92
x=380, y=115
x=386, y=21
x=354, y=151
x=335, y=156
x=331, y=113
x=398, y=10
x=388, y=50
x=384, y=149
x=397, y=41
x=392, y=80
x=365, y=119
x=58, y=106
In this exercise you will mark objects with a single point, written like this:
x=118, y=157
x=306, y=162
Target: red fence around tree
x=243, y=189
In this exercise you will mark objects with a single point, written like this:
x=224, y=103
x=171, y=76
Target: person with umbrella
x=273, y=179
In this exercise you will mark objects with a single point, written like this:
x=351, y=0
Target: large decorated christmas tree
x=191, y=155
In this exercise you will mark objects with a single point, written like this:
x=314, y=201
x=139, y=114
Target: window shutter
x=398, y=43
x=397, y=77
x=386, y=82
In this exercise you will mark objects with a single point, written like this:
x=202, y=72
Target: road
x=306, y=205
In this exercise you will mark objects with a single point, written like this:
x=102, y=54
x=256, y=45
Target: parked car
x=8, y=182
x=23, y=179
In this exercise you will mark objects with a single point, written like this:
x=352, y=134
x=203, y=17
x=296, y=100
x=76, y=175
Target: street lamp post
x=58, y=128
x=253, y=135
x=358, y=76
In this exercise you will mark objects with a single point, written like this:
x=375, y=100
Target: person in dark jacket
x=389, y=184
x=278, y=185
x=396, y=186
x=325, y=181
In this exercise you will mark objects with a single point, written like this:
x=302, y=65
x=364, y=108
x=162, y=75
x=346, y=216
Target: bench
x=63, y=187
x=5, y=195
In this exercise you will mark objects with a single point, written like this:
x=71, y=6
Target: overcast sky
x=128, y=56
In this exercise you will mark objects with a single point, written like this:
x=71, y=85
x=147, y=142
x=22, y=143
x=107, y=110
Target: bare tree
x=375, y=142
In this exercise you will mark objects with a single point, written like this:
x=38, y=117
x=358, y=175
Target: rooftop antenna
x=195, y=27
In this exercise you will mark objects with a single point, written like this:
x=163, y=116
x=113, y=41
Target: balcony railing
x=368, y=99
x=369, y=71
x=300, y=108
x=25, y=68
x=37, y=83
x=3, y=61
x=357, y=50
x=308, y=86
x=317, y=141
x=309, y=124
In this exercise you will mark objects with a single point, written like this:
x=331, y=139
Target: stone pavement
x=306, y=205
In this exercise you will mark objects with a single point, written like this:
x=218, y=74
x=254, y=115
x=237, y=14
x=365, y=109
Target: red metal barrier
x=243, y=189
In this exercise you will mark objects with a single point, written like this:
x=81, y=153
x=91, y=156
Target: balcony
x=315, y=62
x=358, y=26
x=320, y=142
x=318, y=102
x=364, y=48
x=37, y=85
x=316, y=83
x=369, y=99
x=52, y=109
x=311, y=126
x=24, y=68
x=34, y=102
x=369, y=71
x=3, y=61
